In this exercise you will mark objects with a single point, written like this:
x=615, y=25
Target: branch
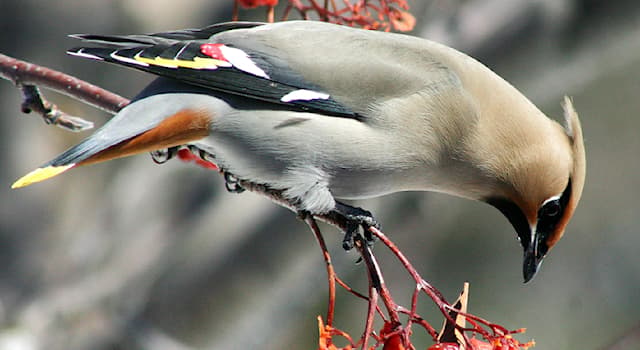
x=331, y=274
x=32, y=100
x=385, y=15
x=27, y=76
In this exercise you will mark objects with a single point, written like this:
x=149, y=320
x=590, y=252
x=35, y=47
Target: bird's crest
x=573, y=130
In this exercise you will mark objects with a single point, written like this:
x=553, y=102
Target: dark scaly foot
x=161, y=156
x=355, y=219
x=232, y=184
x=204, y=155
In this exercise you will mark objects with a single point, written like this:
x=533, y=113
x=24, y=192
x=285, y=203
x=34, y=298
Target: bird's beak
x=534, y=253
x=124, y=136
x=531, y=264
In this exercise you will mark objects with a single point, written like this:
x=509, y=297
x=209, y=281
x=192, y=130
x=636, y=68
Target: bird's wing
x=305, y=66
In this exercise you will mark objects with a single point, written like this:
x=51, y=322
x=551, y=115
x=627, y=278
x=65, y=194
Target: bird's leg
x=204, y=155
x=232, y=183
x=355, y=218
x=161, y=156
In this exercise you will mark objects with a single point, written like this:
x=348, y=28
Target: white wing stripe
x=115, y=56
x=304, y=95
x=80, y=53
x=241, y=60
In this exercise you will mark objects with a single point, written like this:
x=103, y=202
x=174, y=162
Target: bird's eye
x=551, y=208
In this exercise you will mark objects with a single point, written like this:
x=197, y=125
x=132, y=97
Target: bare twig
x=32, y=101
x=24, y=73
x=234, y=16
x=331, y=275
x=363, y=13
x=373, y=303
x=271, y=14
x=433, y=293
x=377, y=281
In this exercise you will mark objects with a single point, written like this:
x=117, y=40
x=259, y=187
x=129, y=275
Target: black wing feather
x=185, y=44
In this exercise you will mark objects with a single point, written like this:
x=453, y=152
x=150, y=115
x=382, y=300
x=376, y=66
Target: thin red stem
x=271, y=14
x=331, y=274
x=285, y=14
x=382, y=287
x=373, y=304
x=437, y=297
x=234, y=15
x=415, y=318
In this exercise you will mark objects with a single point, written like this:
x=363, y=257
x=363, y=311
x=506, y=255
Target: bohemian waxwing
x=324, y=112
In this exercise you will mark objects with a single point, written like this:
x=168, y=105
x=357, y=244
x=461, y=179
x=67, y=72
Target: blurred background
x=133, y=255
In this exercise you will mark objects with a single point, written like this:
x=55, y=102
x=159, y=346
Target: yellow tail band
x=41, y=174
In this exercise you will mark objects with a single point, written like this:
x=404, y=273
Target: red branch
x=25, y=73
x=393, y=331
x=386, y=15
x=331, y=274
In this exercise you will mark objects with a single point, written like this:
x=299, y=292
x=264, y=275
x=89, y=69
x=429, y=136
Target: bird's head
x=541, y=194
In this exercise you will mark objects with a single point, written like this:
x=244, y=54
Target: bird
x=326, y=113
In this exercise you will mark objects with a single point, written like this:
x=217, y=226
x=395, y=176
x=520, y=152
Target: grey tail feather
x=75, y=154
x=91, y=146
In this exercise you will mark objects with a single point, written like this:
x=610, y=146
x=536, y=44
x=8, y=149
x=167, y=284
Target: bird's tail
x=146, y=125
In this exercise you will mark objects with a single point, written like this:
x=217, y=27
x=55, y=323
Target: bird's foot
x=162, y=156
x=204, y=155
x=356, y=219
x=232, y=183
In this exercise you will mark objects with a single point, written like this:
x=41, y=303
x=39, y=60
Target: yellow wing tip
x=41, y=174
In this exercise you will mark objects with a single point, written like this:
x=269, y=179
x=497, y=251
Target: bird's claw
x=162, y=156
x=232, y=183
x=358, y=218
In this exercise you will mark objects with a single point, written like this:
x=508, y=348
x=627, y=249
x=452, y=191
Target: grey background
x=132, y=255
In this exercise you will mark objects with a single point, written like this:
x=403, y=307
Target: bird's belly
x=359, y=184
x=345, y=180
x=313, y=156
